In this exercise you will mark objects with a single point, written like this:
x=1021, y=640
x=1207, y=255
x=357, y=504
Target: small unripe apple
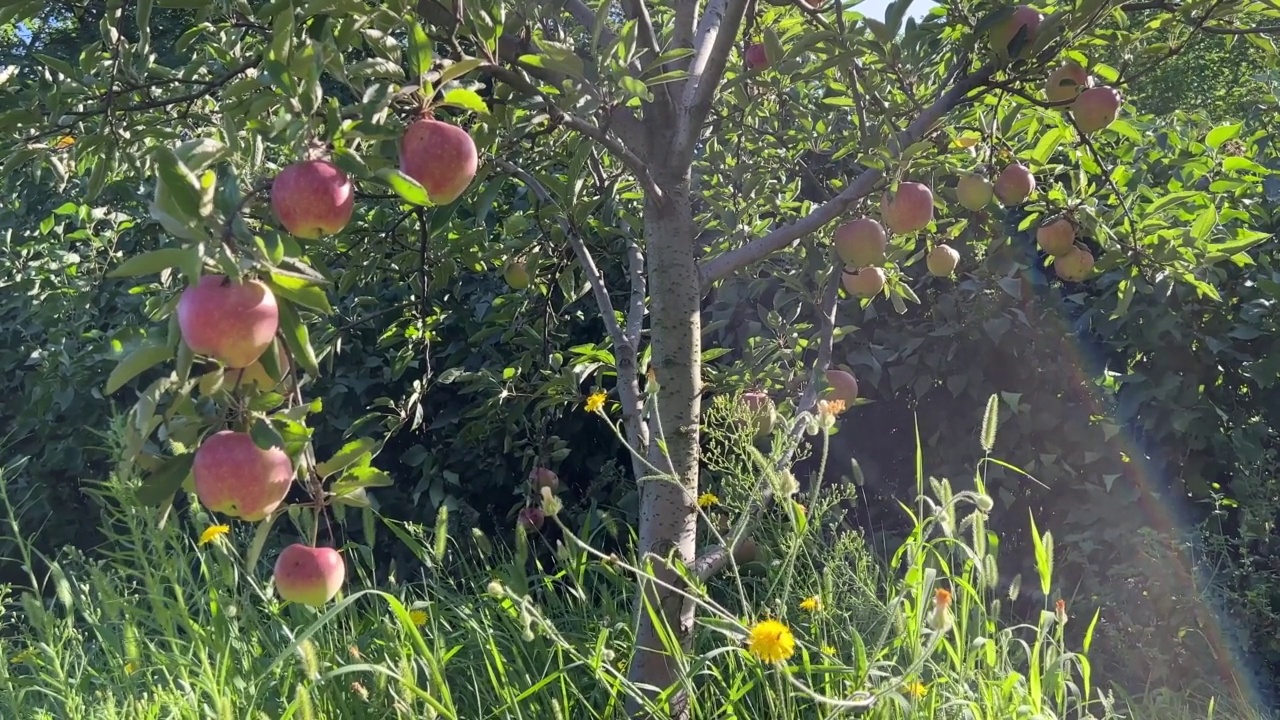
x=1066, y=82
x=909, y=209
x=532, y=518
x=867, y=282
x=1014, y=184
x=1057, y=236
x=1096, y=108
x=861, y=243
x=1006, y=30
x=1075, y=266
x=974, y=191
x=516, y=275
x=756, y=57
x=842, y=386
x=942, y=261
x=233, y=323
x=312, y=198
x=763, y=412
x=544, y=478
x=441, y=157
x=235, y=477
x=309, y=575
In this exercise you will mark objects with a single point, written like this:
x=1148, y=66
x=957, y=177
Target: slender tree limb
x=724, y=264
x=1232, y=30
x=637, y=10
x=716, y=34
x=686, y=20
x=713, y=559
x=639, y=291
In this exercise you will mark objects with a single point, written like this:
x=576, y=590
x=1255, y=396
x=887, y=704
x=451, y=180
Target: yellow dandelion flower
x=828, y=651
x=130, y=667
x=419, y=617
x=595, y=402
x=65, y=141
x=23, y=656
x=213, y=532
x=771, y=641
x=706, y=500
x=811, y=604
x=915, y=689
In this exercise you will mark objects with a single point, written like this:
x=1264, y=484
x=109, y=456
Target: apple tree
x=838, y=148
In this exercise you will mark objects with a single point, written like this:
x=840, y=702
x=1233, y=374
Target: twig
x=722, y=265
x=1134, y=248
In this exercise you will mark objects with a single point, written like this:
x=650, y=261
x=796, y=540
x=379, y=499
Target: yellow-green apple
x=974, y=191
x=942, y=261
x=1066, y=82
x=866, y=282
x=1075, y=265
x=516, y=275
x=1057, y=236
x=440, y=156
x=235, y=477
x=761, y=410
x=228, y=321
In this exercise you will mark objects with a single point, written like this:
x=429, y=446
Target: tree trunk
x=668, y=517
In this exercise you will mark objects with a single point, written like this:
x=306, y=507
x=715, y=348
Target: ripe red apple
x=312, y=198
x=1096, y=108
x=309, y=575
x=761, y=409
x=516, y=275
x=1075, y=265
x=532, y=518
x=867, y=282
x=841, y=386
x=1006, y=30
x=1057, y=236
x=230, y=322
x=861, y=243
x=909, y=209
x=235, y=477
x=1066, y=82
x=440, y=156
x=1015, y=184
x=974, y=191
x=942, y=261
x=756, y=57
x=544, y=478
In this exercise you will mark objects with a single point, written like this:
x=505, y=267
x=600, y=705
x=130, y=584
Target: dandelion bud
x=1060, y=611
x=984, y=503
x=495, y=588
x=940, y=617
x=550, y=503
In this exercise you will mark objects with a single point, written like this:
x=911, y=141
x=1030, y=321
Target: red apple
x=1096, y=108
x=942, y=261
x=235, y=477
x=909, y=209
x=441, y=157
x=230, y=322
x=974, y=191
x=1066, y=82
x=756, y=57
x=309, y=575
x=1006, y=30
x=544, y=478
x=841, y=386
x=861, y=242
x=312, y=198
x=867, y=282
x=532, y=518
x=1075, y=265
x=1057, y=236
x=1015, y=184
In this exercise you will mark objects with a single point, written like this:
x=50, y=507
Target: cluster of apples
x=861, y=243
x=763, y=412
x=234, y=321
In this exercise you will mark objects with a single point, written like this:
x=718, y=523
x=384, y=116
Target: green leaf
x=419, y=51
x=1221, y=134
x=162, y=483
x=259, y=540
x=404, y=186
x=298, y=291
x=458, y=69
x=1205, y=222
x=1244, y=240
x=466, y=99
x=57, y=65
x=264, y=434
x=298, y=339
x=177, y=187
x=153, y=262
x=135, y=363
x=349, y=453
x=773, y=49
x=360, y=478
x=559, y=59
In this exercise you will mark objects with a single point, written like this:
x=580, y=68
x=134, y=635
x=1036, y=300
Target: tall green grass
x=154, y=624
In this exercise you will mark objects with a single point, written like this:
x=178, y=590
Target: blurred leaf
x=135, y=363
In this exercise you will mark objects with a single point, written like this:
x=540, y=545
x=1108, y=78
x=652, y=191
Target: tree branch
x=715, y=37
x=726, y=263
x=637, y=10
x=714, y=558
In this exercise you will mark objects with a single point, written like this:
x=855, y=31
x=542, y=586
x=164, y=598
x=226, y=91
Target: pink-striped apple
x=1066, y=82
x=1096, y=108
x=309, y=575
x=1002, y=35
x=235, y=477
x=861, y=242
x=909, y=209
x=1014, y=184
x=842, y=386
x=866, y=282
x=228, y=321
x=312, y=198
x=442, y=157
x=1057, y=236
x=1075, y=265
